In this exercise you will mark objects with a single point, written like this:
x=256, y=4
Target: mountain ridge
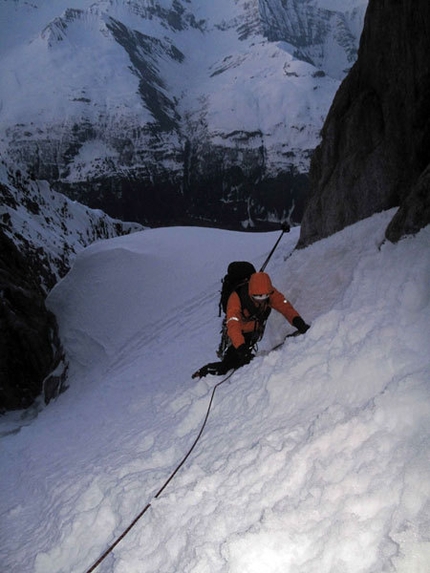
x=171, y=95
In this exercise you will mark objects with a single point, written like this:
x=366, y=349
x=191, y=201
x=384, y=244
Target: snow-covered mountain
x=48, y=228
x=315, y=457
x=162, y=110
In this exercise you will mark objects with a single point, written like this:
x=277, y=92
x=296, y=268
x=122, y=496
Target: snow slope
x=315, y=457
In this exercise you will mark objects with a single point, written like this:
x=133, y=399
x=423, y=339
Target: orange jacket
x=238, y=319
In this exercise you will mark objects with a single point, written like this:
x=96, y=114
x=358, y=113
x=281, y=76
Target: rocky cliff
x=29, y=347
x=41, y=232
x=375, y=149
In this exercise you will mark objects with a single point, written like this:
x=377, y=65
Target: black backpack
x=238, y=274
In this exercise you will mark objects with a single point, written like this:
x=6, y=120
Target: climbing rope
x=160, y=491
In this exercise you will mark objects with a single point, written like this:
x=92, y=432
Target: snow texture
x=315, y=456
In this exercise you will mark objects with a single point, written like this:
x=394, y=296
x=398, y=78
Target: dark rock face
x=41, y=233
x=209, y=193
x=30, y=347
x=375, y=150
x=414, y=212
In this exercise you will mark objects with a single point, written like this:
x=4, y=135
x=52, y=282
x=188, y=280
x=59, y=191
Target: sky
x=315, y=457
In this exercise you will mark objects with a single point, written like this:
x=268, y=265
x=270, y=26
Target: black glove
x=243, y=353
x=300, y=324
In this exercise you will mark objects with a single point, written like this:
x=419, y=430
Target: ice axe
x=285, y=227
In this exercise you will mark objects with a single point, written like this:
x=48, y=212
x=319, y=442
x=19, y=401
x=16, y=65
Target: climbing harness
x=166, y=483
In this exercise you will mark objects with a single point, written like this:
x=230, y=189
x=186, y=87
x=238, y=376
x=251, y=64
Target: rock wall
x=375, y=149
x=29, y=348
